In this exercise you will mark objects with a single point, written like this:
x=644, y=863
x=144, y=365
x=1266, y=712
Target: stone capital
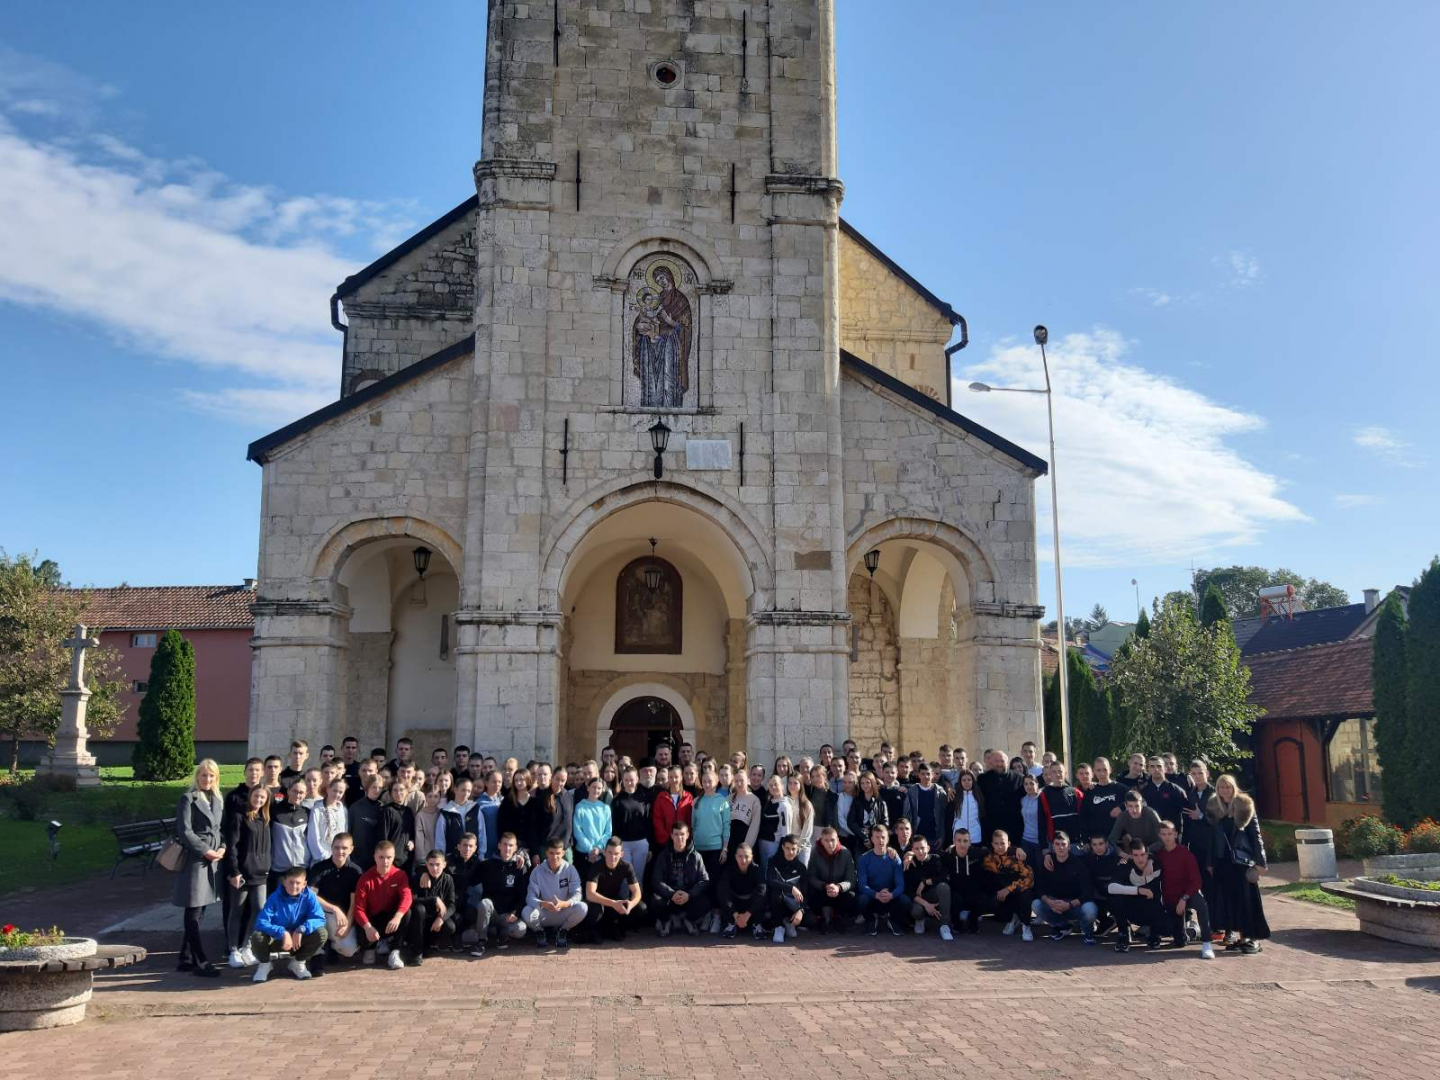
x=514, y=183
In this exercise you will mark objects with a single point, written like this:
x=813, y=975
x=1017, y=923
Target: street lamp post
x=1041, y=337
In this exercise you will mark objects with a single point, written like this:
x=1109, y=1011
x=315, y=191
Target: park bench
x=141, y=840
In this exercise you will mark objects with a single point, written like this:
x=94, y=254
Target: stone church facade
x=654, y=249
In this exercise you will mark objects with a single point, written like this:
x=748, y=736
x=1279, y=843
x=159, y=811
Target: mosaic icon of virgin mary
x=663, y=332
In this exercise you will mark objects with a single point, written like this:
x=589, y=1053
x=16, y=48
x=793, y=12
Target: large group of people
x=377, y=857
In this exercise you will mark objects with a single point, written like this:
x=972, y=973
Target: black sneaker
x=207, y=970
x=540, y=939
x=872, y=926
x=893, y=928
x=1152, y=942
x=1060, y=933
x=728, y=933
x=418, y=959
x=1122, y=943
x=550, y=936
x=562, y=940
x=317, y=966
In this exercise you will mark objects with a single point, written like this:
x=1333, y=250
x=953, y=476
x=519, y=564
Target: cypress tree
x=1142, y=625
x=1212, y=607
x=1392, y=736
x=1422, y=690
x=166, y=728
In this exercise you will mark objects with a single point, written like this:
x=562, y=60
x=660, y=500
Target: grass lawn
x=1311, y=893
x=87, y=846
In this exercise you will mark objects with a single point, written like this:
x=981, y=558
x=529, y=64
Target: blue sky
x=1224, y=213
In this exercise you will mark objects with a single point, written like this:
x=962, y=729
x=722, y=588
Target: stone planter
x=51, y=986
x=1424, y=867
x=1392, y=912
x=68, y=949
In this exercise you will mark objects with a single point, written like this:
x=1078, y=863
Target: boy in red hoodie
x=382, y=905
x=1180, y=888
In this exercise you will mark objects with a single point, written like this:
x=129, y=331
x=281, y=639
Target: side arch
x=342, y=542
x=961, y=554
x=606, y=500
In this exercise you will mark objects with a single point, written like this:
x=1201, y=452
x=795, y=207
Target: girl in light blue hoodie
x=591, y=828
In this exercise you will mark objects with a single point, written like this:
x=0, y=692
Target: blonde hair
x=1226, y=778
x=206, y=765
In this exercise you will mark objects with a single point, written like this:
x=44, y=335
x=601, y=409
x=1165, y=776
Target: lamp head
x=981, y=388
x=659, y=436
x=1041, y=335
x=421, y=557
x=872, y=561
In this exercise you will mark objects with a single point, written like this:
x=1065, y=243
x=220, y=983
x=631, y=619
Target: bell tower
x=657, y=242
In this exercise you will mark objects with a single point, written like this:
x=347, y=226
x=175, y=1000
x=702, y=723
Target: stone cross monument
x=69, y=758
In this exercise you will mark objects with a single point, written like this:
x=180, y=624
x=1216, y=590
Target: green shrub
x=1409, y=883
x=1424, y=837
x=1370, y=836
x=165, y=749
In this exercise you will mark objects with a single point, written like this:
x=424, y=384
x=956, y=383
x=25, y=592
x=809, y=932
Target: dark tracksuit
x=970, y=892
x=927, y=879
x=1169, y=802
x=837, y=869
x=364, y=825
x=423, y=910
x=1103, y=870
x=397, y=824
x=681, y=871
x=1130, y=907
x=742, y=892
x=466, y=874
x=783, y=875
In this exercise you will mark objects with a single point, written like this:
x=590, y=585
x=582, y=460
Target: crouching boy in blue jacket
x=291, y=921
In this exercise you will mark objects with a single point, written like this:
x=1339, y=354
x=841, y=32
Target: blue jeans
x=1085, y=915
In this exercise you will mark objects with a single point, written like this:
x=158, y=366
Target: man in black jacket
x=1105, y=866
x=1003, y=791
x=503, y=881
x=892, y=793
x=1104, y=801
x=1201, y=837
x=1167, y=799
x=927, y=888
x=742, y=894
x=970, y=892
x=681, y=885
x=831, y=883
x=1066, y=893
x=825, y=801
x=432, y=911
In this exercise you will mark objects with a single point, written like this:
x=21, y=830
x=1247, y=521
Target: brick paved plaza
x=1322, y=1001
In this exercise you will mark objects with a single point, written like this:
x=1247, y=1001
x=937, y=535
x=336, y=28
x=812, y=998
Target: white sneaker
x=715, y=923
x=1026, y=934
x=262, y=972
x=1207, y=951
x=919, y=926
x=779, y=936
x=946, y=934
x=790, y=930
x=1011, y=925
x=237, y=959
x=395, y=963
x=299, y=970
x=248, y=956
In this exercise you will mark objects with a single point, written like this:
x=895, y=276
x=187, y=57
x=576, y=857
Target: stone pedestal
x=1315, y=850
x=68, y=760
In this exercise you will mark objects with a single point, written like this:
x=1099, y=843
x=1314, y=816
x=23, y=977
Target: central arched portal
x=642, y=724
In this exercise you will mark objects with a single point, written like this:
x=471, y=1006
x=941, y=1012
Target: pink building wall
x=222, y=682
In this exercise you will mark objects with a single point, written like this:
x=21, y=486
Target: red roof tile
x=1313, y=683
x=171, y=607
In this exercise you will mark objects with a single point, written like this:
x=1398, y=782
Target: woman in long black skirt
x=1238, y=909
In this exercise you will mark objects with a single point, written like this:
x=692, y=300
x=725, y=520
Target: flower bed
x=1407, y=912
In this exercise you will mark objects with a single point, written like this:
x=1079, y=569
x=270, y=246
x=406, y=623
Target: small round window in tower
x=666, y=74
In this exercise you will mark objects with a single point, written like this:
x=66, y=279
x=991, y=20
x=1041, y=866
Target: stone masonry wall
x=413, y=308
x=587, y=692
x=888, y=324
x=874, y=683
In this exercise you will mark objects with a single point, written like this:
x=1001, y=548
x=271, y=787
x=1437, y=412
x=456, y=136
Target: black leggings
x=190, y=946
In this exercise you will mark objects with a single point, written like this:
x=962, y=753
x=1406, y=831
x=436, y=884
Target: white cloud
x=1153, y=297
x=1146, y=473
x=1381, y=440
x=1241, y=268
x=174, y=258
x=1355, y=500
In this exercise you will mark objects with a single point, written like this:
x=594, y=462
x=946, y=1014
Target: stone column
x=797, y=681
x=297, y=684
x=1000, y=643
x=516, y=690
x=68, y=759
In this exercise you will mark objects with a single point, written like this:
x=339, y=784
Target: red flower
x=8, y=928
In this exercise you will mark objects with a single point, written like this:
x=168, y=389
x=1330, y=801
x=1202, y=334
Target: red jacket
x=664, y=812
x=377, y=898
x=1179, y=874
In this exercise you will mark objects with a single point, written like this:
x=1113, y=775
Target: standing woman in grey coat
x=197, y=884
